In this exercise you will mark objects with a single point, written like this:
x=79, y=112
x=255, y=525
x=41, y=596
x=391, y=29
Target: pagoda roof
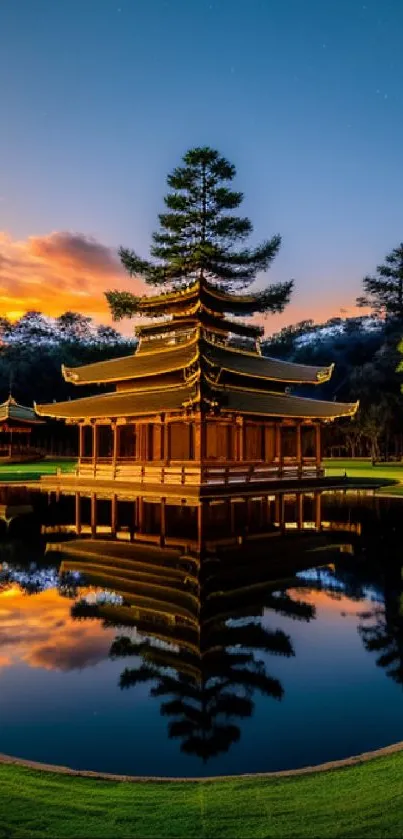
x=201, y=316
x=215, y=298
x=12, y=410
x=152, y=363
x=157, y=358
x=122, y=404
x=263, y=367
x=282, y=405
x=234, y=400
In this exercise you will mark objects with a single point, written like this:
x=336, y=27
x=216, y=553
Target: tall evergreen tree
x=200, y=237
x=384, y=292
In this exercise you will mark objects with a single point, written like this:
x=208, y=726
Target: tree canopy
x=33, y=349
x=383, y=293
x=200, y=236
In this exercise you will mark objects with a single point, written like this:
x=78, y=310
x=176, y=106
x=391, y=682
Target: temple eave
x=162, y=358
x=121, y=404
x=228, y=400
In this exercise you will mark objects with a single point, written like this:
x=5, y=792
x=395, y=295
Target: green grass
x=10, y=472
x=383, y=472
x=360, y=801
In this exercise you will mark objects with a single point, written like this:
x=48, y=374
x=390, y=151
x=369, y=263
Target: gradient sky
x=100, y=99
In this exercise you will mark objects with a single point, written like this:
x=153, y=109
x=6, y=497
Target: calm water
x=285, y=654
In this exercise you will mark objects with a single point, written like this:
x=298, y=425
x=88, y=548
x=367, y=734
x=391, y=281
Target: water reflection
x=202, y=644
x=204, y=628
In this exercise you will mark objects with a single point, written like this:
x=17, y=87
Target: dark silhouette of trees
x=383, y=293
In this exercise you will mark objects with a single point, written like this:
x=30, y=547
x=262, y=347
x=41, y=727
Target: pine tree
x=198, y=236
x=384, y=293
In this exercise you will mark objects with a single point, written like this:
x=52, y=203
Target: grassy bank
x=14, y=472
x=392, y=472
x=365, y=800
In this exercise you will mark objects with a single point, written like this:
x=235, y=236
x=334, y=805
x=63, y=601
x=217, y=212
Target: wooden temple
x=16, y=424
x=197, y=403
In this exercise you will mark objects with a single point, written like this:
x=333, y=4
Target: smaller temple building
x=16, y=425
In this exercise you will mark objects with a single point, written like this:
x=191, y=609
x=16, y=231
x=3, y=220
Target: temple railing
x=214, y=474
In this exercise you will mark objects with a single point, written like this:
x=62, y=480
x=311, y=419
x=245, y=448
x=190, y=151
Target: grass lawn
x=392, y=472
x=10, y=472
x=365, y=800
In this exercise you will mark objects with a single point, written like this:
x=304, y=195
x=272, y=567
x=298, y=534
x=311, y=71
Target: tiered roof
x=12, y=411
x=186, y=361
x=150, y=361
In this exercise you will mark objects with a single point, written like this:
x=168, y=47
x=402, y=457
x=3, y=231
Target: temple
x=197, y=403
x=16, y=424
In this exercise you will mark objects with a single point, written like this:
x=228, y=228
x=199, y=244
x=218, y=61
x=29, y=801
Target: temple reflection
x=209, y=523
x=201, y=637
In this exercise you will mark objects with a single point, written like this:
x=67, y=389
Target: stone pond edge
x=354, y=760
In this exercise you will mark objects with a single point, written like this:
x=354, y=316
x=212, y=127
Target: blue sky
x=100, y=99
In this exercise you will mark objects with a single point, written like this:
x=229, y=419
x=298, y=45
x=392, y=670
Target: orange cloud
x=40, y=631
x=59, y=272
x=70, y=271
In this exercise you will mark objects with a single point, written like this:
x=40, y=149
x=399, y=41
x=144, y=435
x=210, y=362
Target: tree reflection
x=381, y=630
x=206, y=662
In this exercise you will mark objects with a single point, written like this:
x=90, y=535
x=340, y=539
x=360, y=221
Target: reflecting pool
x=277, y=648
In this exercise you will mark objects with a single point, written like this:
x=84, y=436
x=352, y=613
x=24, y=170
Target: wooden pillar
x=318, y=510
x=157, y=441
x=299, y=449
x=133, y=523
x=93, y=515
x=279, y=449
x=78, y=512
x=162, y=522
x=232, y=517
x=166, y=441
x=268, y=512
x=282, y=511
x=318, y=447
x=300, y=510
x=114, y=515
x=262, y=513
x=140, y=515
x=197, y=450
x=241, y=439
x=95, y=442
x=115, y=432
x=249, y=508
x=277, y=509
x=80, y=442
x=200, y=526
x=233, y=438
